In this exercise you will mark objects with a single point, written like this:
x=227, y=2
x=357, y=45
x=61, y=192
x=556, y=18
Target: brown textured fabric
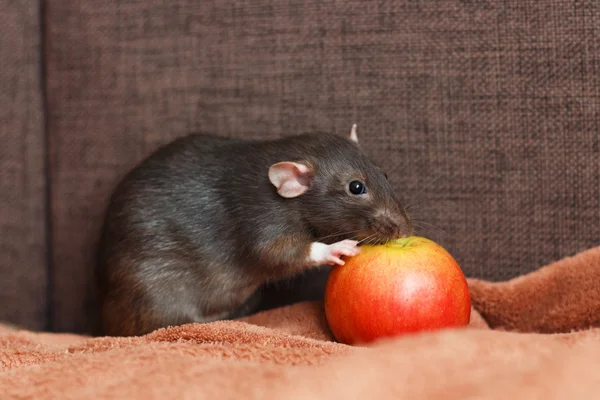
x=486, y=111
x=22, y=176
x=288, y=353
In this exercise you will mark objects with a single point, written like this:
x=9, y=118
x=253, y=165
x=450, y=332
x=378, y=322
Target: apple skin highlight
x=404, y=286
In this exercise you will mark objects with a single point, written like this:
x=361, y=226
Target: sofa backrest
x=485, y=112
x=23, y=222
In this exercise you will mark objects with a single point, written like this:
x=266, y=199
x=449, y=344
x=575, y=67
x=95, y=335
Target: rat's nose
x=393, y=223
x=397, y=227
x=405, y=225
x=404, y=228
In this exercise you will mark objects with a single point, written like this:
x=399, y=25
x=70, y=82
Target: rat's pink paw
x=331, y=254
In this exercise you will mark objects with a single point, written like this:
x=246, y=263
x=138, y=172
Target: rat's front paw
x=321, y=253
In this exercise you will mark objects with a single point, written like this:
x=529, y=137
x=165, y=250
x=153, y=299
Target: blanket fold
x=533, y=336
x=560, y=297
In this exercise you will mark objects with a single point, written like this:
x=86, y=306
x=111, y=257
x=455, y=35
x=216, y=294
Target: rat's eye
x=357, y=187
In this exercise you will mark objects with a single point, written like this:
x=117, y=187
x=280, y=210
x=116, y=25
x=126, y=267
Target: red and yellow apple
x=404, y=286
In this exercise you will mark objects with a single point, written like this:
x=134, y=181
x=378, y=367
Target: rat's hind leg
x=131, y=314
x=250, y=306
x=139, y=309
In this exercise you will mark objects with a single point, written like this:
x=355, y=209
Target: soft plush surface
x=530, y=337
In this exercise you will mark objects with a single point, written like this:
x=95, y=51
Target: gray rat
x=198, y=227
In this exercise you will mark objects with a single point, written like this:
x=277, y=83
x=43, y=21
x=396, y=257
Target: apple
x=407, y=285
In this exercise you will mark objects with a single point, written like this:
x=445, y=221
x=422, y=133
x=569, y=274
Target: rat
x=193, y=231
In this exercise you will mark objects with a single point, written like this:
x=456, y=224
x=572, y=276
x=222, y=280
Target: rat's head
x=341, y=193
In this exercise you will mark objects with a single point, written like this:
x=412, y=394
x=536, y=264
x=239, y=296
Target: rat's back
x=172, y=196
x=163, y=234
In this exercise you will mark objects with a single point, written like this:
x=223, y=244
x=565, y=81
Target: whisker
x=416, y=198
x=365, y=240
x=338, y=234
x=411, y=207
x=374, y=240
x=418, y=224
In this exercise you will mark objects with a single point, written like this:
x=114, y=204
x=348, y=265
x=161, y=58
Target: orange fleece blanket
x=531, y=337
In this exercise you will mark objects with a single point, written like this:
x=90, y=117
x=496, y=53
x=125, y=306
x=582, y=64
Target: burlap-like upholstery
x=486, y=111
x=22, y=180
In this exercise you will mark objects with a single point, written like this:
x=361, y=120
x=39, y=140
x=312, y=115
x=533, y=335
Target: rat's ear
x=290, y=178
x=353, y=135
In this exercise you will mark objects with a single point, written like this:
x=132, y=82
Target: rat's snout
x=394, y=225
x=402, y=227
